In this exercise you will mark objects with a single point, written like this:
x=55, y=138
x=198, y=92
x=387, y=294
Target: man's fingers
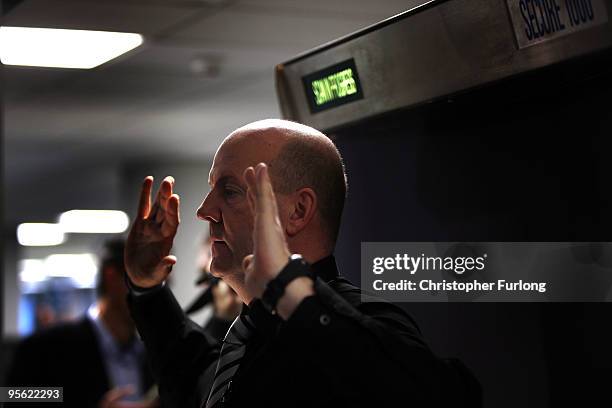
x=165, y=192
x=264, y=184
x=265, y=202
x=172, y=216
x=261, y=194
x=161, y=199
x=144, y=204
x=249, y=178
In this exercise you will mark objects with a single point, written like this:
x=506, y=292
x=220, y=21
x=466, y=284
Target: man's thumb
x=168, y=262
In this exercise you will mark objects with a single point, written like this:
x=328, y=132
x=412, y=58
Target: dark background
x=522, y=160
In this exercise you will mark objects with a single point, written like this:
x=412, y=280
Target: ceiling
x=205, y=68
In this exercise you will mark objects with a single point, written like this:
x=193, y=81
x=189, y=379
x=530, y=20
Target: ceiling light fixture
x=39, y=234
x=81, y=268
x=32, y=270
x=94, y=221
x=61, y=48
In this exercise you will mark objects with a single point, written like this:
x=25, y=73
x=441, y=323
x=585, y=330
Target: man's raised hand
x=270, y=251
x=147, y=252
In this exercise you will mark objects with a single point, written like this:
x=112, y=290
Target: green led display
x=332, y=86
x=335, y=86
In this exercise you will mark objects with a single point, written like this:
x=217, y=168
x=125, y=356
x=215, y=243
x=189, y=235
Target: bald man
x=304, y=338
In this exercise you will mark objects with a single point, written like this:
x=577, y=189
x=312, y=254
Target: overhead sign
x=333, y=86
x=536, y=21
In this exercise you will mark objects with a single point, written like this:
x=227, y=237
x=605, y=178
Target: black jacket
x=336, y=350
x=66, y=355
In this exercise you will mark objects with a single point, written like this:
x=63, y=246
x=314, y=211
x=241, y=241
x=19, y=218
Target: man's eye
x=229, y=193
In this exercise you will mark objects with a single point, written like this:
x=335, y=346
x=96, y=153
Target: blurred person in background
x=98, y=359
x=44, y=316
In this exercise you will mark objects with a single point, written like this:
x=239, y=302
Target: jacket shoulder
x=376, y=310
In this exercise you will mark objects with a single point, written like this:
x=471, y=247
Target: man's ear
x=303, y=209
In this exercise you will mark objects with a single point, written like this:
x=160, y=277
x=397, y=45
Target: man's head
x=309, y=181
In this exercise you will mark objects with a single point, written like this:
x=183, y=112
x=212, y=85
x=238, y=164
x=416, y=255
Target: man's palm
x=147, y=253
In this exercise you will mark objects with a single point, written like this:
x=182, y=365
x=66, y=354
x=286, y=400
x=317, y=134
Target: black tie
x=232, y=352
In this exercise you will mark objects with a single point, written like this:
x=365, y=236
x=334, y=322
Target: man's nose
x=208, y=210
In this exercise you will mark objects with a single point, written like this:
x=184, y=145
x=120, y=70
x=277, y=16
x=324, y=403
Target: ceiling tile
x=267, y=26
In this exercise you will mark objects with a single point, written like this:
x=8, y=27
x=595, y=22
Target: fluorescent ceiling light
x=71, y=265
x=60, y=48
x=39, y=234
x=94, y=221
x=32, y=270
x=80, y=268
